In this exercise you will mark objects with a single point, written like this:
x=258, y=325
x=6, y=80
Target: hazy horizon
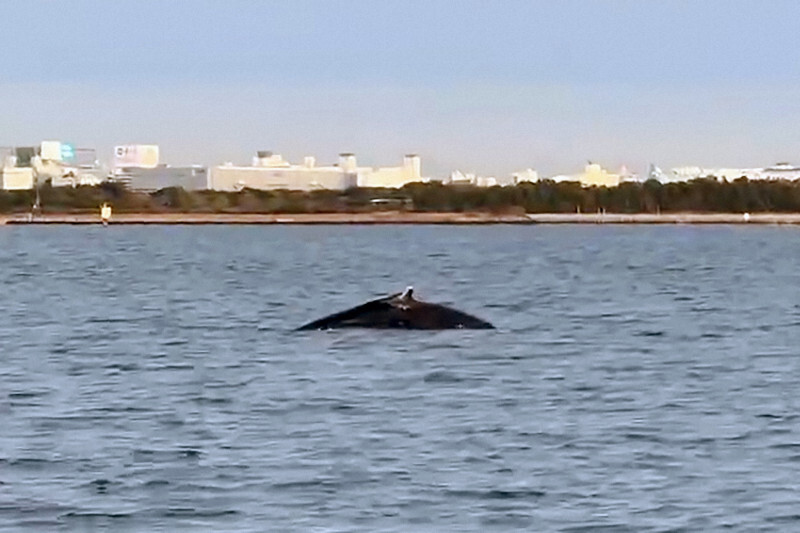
x=491, y=87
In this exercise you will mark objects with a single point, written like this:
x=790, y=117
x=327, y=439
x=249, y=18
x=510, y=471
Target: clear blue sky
x=489, y=86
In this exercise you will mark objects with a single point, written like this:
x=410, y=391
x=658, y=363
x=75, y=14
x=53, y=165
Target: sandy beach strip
x=400, y=217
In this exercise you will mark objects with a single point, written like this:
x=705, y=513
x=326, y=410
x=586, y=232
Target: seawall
x=400, y=217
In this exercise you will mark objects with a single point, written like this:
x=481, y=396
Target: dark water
x=642, y=379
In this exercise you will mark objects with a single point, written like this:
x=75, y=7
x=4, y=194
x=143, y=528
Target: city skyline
x=490, y=87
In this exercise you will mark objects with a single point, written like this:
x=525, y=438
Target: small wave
x=122, y=367
x=148, y=455
x=644, y=437
x=649, y=333
x=101, y=485
x=32, y=463
x=94, y=515
x=442, y=376
x=61, y=350
x=599, y=527
x=191, y=512
x=112, y=320
x=23, y=395
x=174, y=342
x=156, y=483
x=782, y=417
x=302, y=484
x=784, y=519
x=786, y=446
x=497, y=494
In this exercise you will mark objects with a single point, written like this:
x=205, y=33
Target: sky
x=486, y=86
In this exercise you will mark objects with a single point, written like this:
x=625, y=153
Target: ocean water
x=642, y=378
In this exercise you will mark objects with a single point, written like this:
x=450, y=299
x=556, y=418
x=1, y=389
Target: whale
x=399, y=311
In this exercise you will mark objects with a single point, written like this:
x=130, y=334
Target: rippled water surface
x=641, y=379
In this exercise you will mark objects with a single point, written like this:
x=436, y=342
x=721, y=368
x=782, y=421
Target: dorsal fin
x=408, y=294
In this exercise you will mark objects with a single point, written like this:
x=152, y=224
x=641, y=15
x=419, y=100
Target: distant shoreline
x=407, y=217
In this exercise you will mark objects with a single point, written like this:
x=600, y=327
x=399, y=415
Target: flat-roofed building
x=16, y=178
x=391, y=177
x=137, y=166
x=16, y=172
x=190, y=178
x=457, y=177
x=781, y=171
x=271, y=172
x=593, y=175
x=525, y=176
x=596, y=176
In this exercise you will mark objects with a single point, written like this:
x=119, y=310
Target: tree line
x=700, y=195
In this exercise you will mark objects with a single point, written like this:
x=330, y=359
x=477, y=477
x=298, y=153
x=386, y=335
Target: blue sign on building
x=67, y=152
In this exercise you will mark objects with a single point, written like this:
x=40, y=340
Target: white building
x=138, y=167
x=781, y=171
x=391, y=177
x=593, y=175
x=191, y=178
x=52, y=161
x=457, y=177
x=525, y=176
x=460, y=178
x=65, y=166
x=689, y=173
x=270, y=171
x=14, y=178
x=16, y=172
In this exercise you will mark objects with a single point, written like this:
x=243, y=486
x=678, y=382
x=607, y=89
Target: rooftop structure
x=136, y=156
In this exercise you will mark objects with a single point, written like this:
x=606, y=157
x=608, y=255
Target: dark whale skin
x=399, y=311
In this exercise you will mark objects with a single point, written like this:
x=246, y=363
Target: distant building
x=191, y=178
x=593, y=175
x=730, y=174
x=16, y=178
x=781, y=171
x=391, y=177
x=457, y=177
x=689, y=173
x=626, y=175
x=525, y=176
x=63, y=165
x=55, y=162
x=596, y=176
x=75, y=176
x=460, y=178
x=486, y=181
x=16, y=172
x=137, y=166
x=136, y=156
x=270, y=171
